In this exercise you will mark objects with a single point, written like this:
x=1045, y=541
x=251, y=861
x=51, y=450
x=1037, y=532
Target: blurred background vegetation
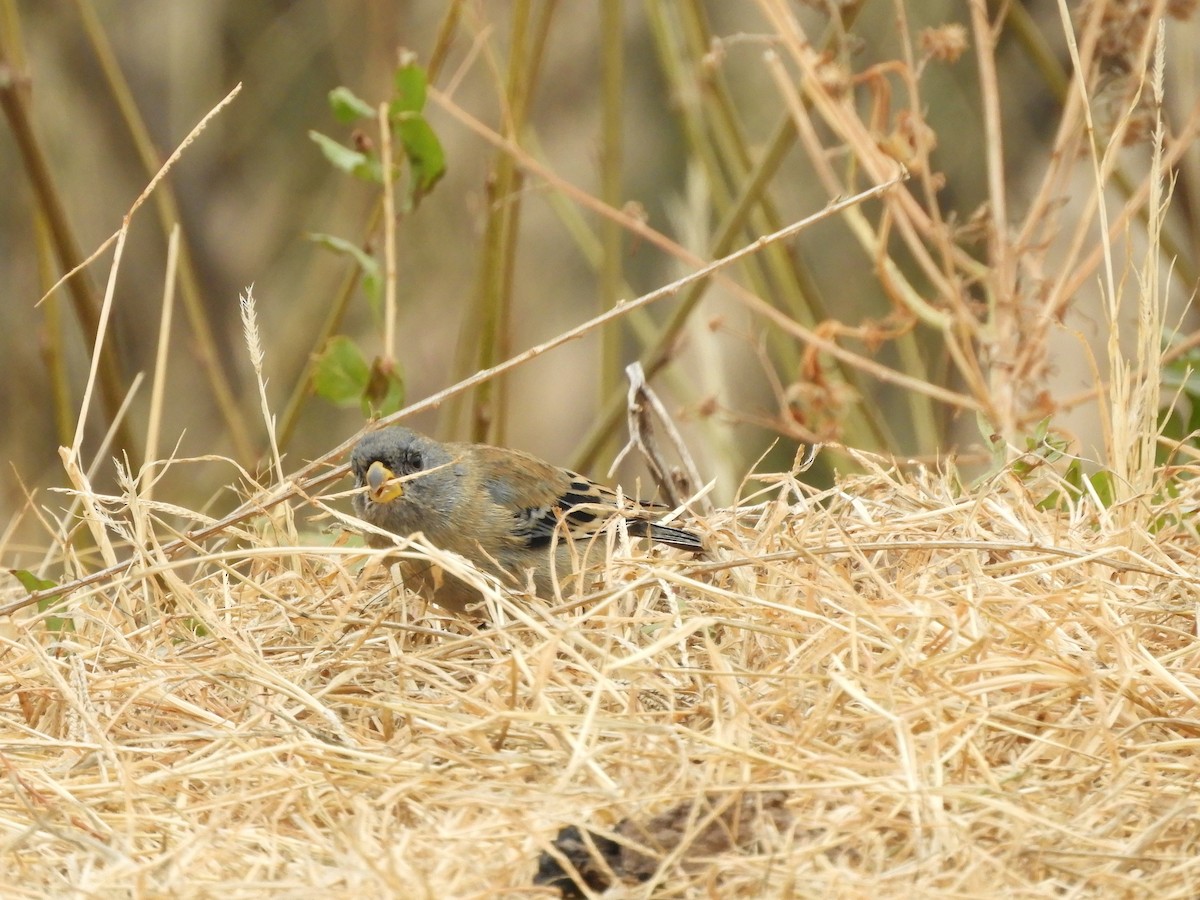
x=687, y=116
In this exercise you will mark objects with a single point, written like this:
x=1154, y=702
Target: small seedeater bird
x=503, y=510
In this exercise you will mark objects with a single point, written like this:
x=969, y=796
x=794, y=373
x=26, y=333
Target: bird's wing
x=539, y=496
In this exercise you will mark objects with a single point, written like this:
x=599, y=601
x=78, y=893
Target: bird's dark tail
x=666, y=534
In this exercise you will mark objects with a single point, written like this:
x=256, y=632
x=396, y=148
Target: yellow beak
x=381, y=484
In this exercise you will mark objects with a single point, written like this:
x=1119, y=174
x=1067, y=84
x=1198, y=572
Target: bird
x=510, y=514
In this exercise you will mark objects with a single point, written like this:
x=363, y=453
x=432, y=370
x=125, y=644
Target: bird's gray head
x=384, y=463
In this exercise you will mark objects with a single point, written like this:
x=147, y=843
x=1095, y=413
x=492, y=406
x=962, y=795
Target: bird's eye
x=413, y=461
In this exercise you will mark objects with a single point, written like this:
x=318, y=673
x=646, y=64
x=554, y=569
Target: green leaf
x=426, y=158
x=384, y=393
x=352, y=162
x=409, y=87
x=1104, y=486
x=422, y=149
x=348, y=107
x=341, y=373
x=195, y=626
x=343, y=377
x=372, y=272
x=992, y=440
x=33, y=584
x=1079, y=484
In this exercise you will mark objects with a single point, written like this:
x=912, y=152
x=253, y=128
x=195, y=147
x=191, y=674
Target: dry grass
x=960, y=694
x=955, y=689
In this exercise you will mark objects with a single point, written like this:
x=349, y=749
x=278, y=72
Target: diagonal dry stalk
x=318, y=473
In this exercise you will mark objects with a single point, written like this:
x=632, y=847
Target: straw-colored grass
x=958, y=693
x=908, y=685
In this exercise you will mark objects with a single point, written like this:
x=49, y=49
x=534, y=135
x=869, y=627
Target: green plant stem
x=52, y=347
x=660, y=352
x=442, y=43
x=716, y=139
x=487, y=335
x=14, y=101
x=204, y=342
x=611, y=274
x=302, y=382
